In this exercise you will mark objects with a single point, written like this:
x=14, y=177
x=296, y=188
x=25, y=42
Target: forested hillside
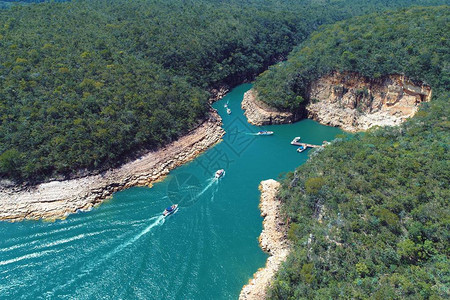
x=412, y=42
x=10, y=3
x=370, y=214
x=87, y=84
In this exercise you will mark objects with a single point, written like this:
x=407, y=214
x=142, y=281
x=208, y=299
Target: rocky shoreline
x=57, y=199
x=273, y=240
x=350, y=101
x=258, y=113
x=355, y=102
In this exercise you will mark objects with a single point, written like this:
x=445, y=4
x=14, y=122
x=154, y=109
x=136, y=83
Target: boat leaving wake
x=190, y=196
x=212, y=181
x=157, y=221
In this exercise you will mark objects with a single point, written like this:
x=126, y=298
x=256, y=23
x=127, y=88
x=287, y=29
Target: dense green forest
x=370, y=213
x=412, y=42
x=85, y=85
x=10, y=3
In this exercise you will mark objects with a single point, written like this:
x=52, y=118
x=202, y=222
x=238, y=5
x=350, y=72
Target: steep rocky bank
x=350, y=101
x=259, y=113
x=273, y=240
x=218, y=93
x=56, y=199
x=354, y=102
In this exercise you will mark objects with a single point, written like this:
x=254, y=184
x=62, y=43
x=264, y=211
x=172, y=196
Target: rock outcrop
x=259, y=113
x=218, y=93
x=354, y=102
x=56, y=199
x=273, y=240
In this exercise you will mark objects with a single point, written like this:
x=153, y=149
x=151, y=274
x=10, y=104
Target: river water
x=124, y=249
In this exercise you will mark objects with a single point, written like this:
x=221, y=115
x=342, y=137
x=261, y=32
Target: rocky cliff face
x=354, y=102
x=273, y=240
x=56, y=199
x=258, y=113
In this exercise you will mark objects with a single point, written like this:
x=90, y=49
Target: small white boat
x=170, y=210
x=228, y=111
x=264, y=132
x=301, y=149
x=219, y=173
x=226, y=105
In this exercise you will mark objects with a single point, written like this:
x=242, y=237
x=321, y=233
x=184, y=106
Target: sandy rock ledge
x=56, y=199
x=354, y=102
x=259, y=113
x=273, y=240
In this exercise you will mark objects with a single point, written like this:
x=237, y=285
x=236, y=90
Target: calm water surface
x=124, y=249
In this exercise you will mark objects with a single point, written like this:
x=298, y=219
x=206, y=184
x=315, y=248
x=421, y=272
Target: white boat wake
x=157, y=221
x=212, y=181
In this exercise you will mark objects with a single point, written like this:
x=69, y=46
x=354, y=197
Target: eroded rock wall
x=354, y=102
x=258, y=113
x=56, y=199
x=273, y=240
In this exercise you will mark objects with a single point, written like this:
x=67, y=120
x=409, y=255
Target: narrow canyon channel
x=125, y=249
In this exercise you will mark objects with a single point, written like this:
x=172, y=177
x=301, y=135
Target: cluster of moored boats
x=228, y=109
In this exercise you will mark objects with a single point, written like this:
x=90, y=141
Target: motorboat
x=170, y=210
x=264, y=132
x=228, y=111
x=219, y=173
x=301, y=149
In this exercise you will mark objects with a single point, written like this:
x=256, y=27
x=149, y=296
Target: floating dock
x=296, y=142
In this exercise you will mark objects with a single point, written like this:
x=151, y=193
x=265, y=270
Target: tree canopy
x=413, y=42
x=370, y=213
x=86, y=84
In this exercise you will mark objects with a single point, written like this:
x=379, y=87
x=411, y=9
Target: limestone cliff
x=273, y=240
x=354, y=102
x=55, y=199
x=259, y=113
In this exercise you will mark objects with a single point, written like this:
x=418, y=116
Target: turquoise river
x=125, y=249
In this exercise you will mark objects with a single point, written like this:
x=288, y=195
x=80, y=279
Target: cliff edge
x=350, y=101
x=259, y=113
x=55, y=199
x=354, y=102
x=273, y=240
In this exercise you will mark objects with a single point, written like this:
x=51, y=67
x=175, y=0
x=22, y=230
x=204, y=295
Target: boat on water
x=228, y=111
x=301, y=149
x=219, y=173
x=170, y=210
x=264, y=132
x=226, y=105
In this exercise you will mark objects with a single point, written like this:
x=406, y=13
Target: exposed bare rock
x=354, y=102
x=273, y=240
x=56, y=199
x=259, y=113
x=217, y=94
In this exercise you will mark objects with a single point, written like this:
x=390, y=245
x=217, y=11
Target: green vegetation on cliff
x=86, y=84
x=413, y=42
x=370, y=214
